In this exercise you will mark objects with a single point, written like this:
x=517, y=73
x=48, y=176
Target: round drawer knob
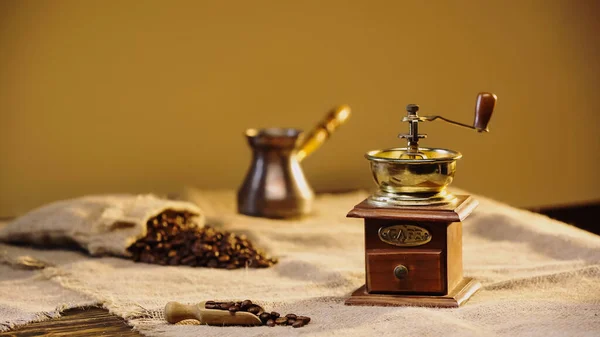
x=400, y=272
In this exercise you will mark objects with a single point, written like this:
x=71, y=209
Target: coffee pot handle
x=336, y=117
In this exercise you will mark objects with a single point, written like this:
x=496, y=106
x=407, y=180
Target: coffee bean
x=305, y=319
x=225, y=306
x=178, y=241
x=291, y=321
x=270, y=323
x=275, y=314
x=188, y=260
x=147, y=257
x=246, y=304
x=292, y=316
x=281, y=321
x=298, y=324
x=255, y=309
x=234, y=308
x=265, y=316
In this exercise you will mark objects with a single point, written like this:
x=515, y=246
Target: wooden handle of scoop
x=336, y=117
x=484, y=107
x=177, y=312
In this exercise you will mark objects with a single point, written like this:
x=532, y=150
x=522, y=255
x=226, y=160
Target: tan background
x=138, y=96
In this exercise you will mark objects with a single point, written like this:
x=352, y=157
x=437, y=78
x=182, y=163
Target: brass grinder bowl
x=406, y=179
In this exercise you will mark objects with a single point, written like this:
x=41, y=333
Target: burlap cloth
x=540, y=278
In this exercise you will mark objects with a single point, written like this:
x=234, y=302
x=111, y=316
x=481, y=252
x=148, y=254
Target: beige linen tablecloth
x=540, y=278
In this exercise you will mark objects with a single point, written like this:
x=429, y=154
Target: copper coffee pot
x=275, y=186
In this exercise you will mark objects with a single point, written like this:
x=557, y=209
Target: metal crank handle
x=484, y=107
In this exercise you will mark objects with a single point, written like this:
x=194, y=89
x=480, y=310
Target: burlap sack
x=102, y=225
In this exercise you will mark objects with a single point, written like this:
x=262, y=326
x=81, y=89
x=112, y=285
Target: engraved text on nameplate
x=404, y=235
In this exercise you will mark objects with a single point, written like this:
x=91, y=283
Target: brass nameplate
x=404, y=235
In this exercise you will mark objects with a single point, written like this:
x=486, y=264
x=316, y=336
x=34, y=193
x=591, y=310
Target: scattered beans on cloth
x=267, y=318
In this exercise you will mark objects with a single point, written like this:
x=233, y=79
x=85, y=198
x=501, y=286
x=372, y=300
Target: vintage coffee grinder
x=413, y=229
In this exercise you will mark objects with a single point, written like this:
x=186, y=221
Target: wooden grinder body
x=424, y=272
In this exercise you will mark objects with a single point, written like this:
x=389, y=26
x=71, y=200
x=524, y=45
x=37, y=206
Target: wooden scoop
x=177, y=312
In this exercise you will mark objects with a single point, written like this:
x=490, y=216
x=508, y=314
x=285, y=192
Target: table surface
x=94, y=321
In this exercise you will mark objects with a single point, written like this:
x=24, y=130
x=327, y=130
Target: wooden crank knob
x=484, y=107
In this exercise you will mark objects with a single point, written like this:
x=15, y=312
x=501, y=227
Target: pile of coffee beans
x=267, y=318
x=174, y=238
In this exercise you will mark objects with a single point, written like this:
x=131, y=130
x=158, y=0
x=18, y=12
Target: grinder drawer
x=414, y=271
